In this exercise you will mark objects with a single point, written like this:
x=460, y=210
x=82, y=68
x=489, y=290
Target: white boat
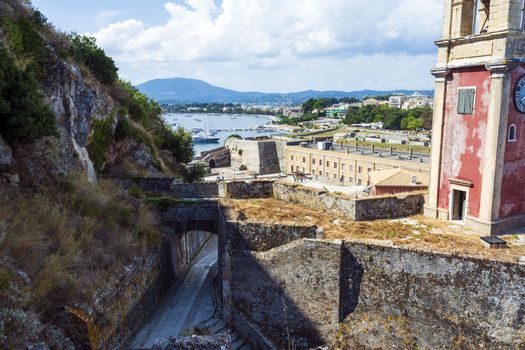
x=203, y=137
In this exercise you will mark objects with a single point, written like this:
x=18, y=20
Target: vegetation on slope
x=24, y=116
x=58, y=246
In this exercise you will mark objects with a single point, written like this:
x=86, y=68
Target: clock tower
x=478, y=137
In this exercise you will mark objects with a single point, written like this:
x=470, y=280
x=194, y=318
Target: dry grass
x=70, y=237
x=414, y=233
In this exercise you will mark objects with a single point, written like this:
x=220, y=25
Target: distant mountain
x=181, y=90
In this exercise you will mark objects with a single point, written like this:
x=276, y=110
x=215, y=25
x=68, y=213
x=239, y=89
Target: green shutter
x=466, y=98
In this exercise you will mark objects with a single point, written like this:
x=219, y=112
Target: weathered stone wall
x=249, y=189
x=290, y=294
x=259, y=156
x=396, y=298
x=361, y=209
x=389, y=207
x=268, y=158
x=184, y=249
x=172, y=187
x=261, y=237
x=315, y=198
x=217, y=158
x=188, y=211
x=126, y=301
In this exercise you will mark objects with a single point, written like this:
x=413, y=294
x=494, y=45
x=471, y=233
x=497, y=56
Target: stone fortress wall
x=258, y=156
x=284, y=285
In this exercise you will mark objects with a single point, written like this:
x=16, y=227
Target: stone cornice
x=440, y=74
x=501, y=70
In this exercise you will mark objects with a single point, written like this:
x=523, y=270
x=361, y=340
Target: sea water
x=231, y=123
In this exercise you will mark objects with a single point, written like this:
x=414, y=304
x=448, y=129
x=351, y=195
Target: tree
x=179, y=142
x=426, y=119
x=24, y=116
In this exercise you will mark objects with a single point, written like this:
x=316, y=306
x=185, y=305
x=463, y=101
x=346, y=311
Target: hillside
x=68, y=126
x=181, y=90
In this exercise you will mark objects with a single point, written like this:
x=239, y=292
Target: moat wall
x=394, y=297
x=368, y=296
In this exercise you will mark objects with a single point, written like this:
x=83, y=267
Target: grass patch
x=69, y=238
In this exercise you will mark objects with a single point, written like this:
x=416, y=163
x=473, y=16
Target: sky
x=263, y=45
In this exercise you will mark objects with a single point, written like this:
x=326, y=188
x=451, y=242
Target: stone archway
x=212, y=164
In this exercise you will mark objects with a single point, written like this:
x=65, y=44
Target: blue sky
x=263, y=45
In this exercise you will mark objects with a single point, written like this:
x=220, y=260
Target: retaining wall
x=361, y=209
x=261, y=237
x=397, y=298
x=289, y=294
x=248, y=189
x=172, y=187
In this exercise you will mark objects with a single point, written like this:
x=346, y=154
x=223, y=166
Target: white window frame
x=523, y=15
x=515, y=139
x=475, y=17
x=474, y=102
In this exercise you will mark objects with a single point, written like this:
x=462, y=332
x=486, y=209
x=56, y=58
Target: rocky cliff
x=77, y=99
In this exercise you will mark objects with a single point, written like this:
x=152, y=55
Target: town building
x=337, y=111
x=397, y=100
x=478, y=154
x=351, y=164
x=416, y=100
x=392, y=181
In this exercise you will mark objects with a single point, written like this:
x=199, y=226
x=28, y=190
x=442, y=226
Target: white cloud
x=281, y=35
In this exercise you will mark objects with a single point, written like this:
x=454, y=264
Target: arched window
x=512, y=133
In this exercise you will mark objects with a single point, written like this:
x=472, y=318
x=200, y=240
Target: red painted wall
x=513, y=184
x=464, y=136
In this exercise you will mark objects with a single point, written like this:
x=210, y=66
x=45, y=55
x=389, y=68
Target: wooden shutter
x=466, y=98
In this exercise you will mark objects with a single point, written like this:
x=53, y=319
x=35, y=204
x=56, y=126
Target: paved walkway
x=185, y=307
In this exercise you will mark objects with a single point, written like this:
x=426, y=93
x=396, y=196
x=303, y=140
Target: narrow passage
x=185, y=307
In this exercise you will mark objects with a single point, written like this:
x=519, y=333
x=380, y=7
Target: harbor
x=212, y=130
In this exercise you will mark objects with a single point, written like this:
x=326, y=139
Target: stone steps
x=217, y=326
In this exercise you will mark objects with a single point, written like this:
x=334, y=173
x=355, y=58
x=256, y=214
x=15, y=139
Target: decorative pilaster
x=441, y=75
x=494, y=148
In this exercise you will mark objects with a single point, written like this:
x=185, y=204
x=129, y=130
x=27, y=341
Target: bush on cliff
x=85, y=49
x=100, y=141
x=24, y=116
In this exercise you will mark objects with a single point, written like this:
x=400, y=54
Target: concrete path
x=183, y=308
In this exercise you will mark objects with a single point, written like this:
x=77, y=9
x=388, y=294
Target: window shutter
x=461, y=101
x=471, y=97
x=466, y=99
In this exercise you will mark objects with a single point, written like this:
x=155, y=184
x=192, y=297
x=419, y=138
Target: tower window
x=512, y=133
x=480, y=16
x=466, y=100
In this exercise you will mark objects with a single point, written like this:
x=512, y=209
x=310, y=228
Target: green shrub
x=100, y=141
x=24, y=116
x=136, y=192
x=140, y=108
x=194, y=173
x=85, y=49
x=179, y=142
